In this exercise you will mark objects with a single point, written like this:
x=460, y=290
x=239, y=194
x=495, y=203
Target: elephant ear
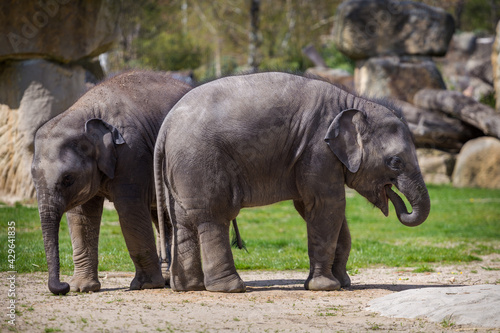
x=344, y=139
x=105, y=138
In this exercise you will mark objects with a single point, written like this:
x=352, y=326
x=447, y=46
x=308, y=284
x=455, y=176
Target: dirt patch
x=274, y=301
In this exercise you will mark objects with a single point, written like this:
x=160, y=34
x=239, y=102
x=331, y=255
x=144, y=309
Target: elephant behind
x=257, y=139
x=102, y=147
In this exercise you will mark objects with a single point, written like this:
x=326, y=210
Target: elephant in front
x=102, y=147
x=257, y=139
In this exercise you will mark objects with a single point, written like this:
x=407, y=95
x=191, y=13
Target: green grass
x=463, y=224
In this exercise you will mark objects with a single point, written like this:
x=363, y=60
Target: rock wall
x=495, y=60
x=45, y=47
x=393, y=42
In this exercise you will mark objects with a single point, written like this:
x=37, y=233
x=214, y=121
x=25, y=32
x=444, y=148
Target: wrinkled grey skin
x=102, y=147
x=254, y=140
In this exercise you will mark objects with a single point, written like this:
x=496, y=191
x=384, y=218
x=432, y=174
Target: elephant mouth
x=384, y=196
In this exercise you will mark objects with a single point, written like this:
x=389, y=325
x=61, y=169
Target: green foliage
x=480, y=16
x=463, y=224
x=169, y=52
x=489, y=100
x=336, y=59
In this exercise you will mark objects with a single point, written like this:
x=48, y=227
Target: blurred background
x=437, y=59
x=214, y=38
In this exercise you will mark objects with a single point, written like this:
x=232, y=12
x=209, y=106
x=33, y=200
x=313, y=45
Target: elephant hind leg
x=164, y=262
x=135, y=220
x=218, y=263
x=186, y=272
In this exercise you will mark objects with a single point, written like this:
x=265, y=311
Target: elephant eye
x=395, y=163
x=68, y=180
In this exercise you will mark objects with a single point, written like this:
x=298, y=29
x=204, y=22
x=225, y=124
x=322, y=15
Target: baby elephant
x=253, y=140
x=102, y=147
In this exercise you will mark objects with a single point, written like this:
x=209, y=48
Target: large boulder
x=367, y=28
x=396, y=77
x=31, y=93
x=436, y=165
x=478, y=164
x=495, y=60
x=60, y=30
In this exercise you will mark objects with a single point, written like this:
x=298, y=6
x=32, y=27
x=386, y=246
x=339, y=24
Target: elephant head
x=69, y=161
x=376, y=147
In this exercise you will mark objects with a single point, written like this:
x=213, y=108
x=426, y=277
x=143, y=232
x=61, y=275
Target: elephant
x=256, y=139
x=102, y=147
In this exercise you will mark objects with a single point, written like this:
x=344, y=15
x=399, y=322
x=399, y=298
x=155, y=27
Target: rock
x=333, y=75
x=463, y=44
x=436, y=165
x=367, y=28
x=495, y=61
x=59, y=30
x=479, y=65
x=31, y=93
x=478, y=164
x=462, y=107
x=467, y=66
x=396, y=77
x=477, y=306
x=436, y=130
x=477, y=89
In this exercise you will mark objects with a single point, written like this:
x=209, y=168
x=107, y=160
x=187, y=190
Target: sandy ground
x=274, y=302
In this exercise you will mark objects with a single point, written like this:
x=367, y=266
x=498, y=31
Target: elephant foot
x=230, y=284
x=142, y=281
x=345, y=280
x=165, y=271
x=190, y=285
x=84, y=285
x=166, y=277
x=322, y=283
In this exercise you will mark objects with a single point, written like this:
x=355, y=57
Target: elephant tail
x=236, y=239
x=161, y=197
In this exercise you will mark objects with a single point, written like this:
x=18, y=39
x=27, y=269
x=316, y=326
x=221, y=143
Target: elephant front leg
x=218, y=263
x=342, y=251
x=137, y=229
x=323, y=228
x=84, y=224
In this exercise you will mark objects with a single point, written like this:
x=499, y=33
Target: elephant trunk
x=50, y=217
x=413, y=188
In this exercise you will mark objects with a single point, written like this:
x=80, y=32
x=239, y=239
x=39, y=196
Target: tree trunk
x=254, y=44
x=462, y=107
